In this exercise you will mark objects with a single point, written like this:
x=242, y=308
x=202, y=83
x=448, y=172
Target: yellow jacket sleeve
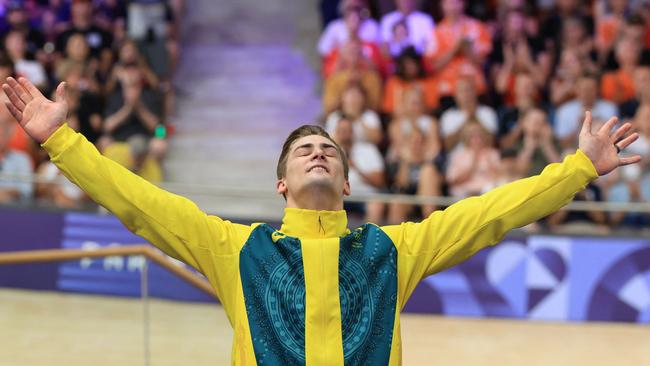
x=170, y=222
x=448, y=237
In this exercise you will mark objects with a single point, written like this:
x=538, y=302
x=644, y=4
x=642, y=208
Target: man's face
x=405, y=6
x=313, y=162
x=453, y=8
x=81, y=11
x=642, y=81
x=465, y=92
x=587, y=90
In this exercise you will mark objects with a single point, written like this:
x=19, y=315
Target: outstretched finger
x=14, y=111
x=13, y=98
x=620, y=132
x=19, y=90
x=629, y=160
x=627, y=141
x=586, y=125
x=33, y=90
x=608, y=126
x=60, y=92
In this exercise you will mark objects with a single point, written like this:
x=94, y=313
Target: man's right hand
x=37, y=115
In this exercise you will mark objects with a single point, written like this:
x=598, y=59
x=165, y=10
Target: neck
x=318, y=199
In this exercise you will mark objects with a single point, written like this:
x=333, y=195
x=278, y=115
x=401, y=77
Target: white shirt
x=569, y=116
x=420, y=28
x=425, y=124
x=367, y=159
x=18, y=166
x=336, y=34
x=368, y=119
x=453, y=120
x=32, y=71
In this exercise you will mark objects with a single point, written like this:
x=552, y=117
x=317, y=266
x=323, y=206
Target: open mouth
x=322, y=167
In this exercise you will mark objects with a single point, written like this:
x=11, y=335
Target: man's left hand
x=600, y=147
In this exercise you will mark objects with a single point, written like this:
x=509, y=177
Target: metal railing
x=253, y=193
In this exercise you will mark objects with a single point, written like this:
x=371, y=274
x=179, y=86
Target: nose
x=319, y=153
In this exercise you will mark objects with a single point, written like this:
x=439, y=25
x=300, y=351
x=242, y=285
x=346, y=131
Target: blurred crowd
x=117, y=58
x=454, y=97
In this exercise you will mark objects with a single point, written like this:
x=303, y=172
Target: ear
x=346, y=188
x=281, y=187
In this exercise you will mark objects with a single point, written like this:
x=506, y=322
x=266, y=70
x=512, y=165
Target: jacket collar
x=311, y=224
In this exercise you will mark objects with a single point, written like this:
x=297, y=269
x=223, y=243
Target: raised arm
x=448, y=237
x=172, y=223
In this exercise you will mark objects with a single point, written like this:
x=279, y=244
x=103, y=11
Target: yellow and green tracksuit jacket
x=314, y=292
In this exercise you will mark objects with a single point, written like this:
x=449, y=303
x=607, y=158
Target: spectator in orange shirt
x=409, y=73
x=567, y=73
x=353, y=67
x=458, y=48
x=353, y=18
x=474, y=168
x=515, y=52
x=610, y=19
x=618, y=85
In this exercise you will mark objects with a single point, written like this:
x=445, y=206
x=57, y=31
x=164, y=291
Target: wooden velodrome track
x=45, y=328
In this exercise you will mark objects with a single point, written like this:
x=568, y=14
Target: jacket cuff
x=59, y=141
x=586, y=165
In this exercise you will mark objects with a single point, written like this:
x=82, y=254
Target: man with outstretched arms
x=313, y=292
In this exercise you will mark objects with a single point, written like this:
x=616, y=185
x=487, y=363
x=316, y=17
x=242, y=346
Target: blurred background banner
x=538, y=277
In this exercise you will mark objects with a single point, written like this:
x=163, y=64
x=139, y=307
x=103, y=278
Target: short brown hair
x=304, y=131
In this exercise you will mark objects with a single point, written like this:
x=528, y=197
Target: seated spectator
x=16, y=48
x=570, y=114
x=474, y=168
x=19, y=140
x=413, y=117
x=132, y=110
x=353, y=108
x=554, y=23
x=458, y=48
x=618, y=86
x=563, y=84
x=333, y=61
x=406, y=27
x=16, y=187
x=513, y=53
x=641, y=91
x=129, y=56
x=108, y=12
x=467, y=110
x=576, y=37
x=412, y=173
x=510, y=171
x=353, y=68
x=54, y=188
x=18, y=20
x=537, y=147
x=83, y=22
x=77, y=56
x=84, y=104
x=610, y=17
x=526, y=99
x=337, y=32
x=140, y=155
x=409, y=74
x=366, y=174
